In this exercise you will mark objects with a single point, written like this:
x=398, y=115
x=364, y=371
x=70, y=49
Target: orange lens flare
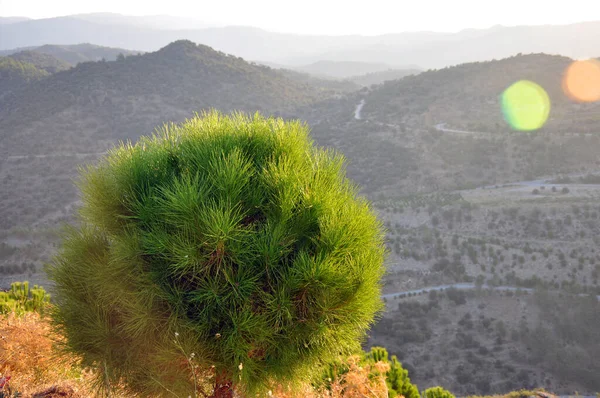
x=581, y=81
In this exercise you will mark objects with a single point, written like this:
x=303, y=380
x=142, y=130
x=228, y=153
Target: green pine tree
x=397, y=379
x=437, y=392
x=224, y=253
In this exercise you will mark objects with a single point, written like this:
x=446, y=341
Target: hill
x=379, y=77
x=345, y=86
x=426, y=49
x=445, y=129
x=41, y=60
x=89, y=107
x=9, y=20
x=75, y=53
x=16, y=74
x=149, y=21
x=340, y=69
x=467, y=199
x=83, y=52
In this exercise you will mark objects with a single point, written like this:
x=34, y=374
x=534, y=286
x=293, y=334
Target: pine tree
x=225, y=253
x=437, y=392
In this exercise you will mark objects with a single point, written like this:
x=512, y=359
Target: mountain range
x=425, y=49
x=117, y=97
x=73, y=54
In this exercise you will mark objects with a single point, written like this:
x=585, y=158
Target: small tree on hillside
x=437, y=392
x=224, y=253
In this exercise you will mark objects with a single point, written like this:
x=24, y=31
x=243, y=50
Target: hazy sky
x=332, y=16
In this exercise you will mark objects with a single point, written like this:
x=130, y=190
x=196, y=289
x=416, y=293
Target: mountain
x=75, y=53
x=41, y=60
x=84, y=52
x=341, y=69
x=426, y=49
x=9, y=20
x=468, y=96
x=67, y=117
x=129, y=97
x=345, y=86
x=473, y=45
x=379, y=77
x=401, y=144
x=148, y=21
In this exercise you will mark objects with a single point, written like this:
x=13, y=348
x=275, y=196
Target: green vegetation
x=16, y=74
x=571, y=326
x=84, y=52
x=41, y=61
x=225, y=245
x=379, y=77
x=20, y=299
x=397, y=380
x=437, y=392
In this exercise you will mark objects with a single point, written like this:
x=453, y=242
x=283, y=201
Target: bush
x=397, y=379
x=20, y=299
x=227, y=247
x=437, y=392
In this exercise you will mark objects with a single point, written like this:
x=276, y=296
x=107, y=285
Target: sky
x=334, y=17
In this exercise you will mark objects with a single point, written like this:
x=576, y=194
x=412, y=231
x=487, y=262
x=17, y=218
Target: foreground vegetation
x=29, y=357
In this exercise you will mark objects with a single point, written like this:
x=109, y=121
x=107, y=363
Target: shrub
x=437, y=392
x=27, y=355
x=20, y=299
x=225, y=248
x=376, y=360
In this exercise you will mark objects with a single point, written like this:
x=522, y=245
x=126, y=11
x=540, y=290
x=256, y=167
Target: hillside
x=445, y=129
x=379, y=77
x=467, y=96
x=466, y=199
x=41, y=60
x=345, y=86
x=341, y=70
x=88, y=108
x=16, y=74
x=75, y=53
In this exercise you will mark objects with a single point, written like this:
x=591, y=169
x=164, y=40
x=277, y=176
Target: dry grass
x=27, y=354
x=360, y=382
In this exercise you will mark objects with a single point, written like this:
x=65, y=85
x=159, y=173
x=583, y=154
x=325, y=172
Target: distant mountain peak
x=184, y=47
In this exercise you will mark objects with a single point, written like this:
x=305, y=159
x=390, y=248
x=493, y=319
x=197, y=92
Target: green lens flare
x=525, y=105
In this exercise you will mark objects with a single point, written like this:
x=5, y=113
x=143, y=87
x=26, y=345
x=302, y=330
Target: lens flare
x=581, y=81
x=525, y=105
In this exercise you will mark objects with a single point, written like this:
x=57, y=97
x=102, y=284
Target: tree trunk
x=223, y=387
